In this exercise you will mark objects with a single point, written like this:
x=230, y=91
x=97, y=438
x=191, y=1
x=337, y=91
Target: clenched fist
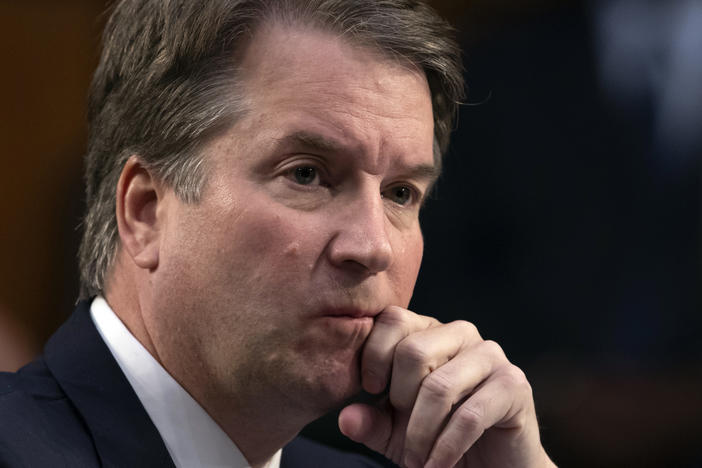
x=454, y=398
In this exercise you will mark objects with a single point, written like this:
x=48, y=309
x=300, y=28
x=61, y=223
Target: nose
x=361, y=239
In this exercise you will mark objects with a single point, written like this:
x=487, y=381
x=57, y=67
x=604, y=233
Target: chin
x=324, y=386
x=341, y=387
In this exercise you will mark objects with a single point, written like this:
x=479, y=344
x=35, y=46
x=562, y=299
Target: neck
x=257, y=426
x=122, y=295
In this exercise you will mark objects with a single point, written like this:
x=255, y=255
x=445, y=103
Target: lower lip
x=348, y=321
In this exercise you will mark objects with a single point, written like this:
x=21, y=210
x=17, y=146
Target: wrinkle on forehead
x=318, y=79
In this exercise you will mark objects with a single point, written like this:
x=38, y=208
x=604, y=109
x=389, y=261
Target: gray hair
x=167, y=82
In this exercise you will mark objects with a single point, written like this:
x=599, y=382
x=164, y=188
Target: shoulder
x=33, y=381
x=302, y=452
x=39, y=422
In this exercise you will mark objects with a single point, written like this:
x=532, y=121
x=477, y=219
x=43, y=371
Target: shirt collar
x=192, y=437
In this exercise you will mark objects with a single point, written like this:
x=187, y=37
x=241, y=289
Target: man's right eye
x=305, y=175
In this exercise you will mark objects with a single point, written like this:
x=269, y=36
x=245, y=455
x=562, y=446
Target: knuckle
x=449, y=447
x=494, y=349
x=411, y=353
x=393, y=316
x=372, y=362
x=515, y=378
x=433, y=322
x=469, y=419
x=371, y=371
x=438, y=387
x=466, y=328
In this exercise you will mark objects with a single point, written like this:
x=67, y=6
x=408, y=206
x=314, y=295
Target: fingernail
x=412, y=461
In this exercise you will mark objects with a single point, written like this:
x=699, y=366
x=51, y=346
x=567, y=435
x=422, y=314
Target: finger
x=367, y=425
x=373, y=427
x=421, y=353
x=391, y=326
x=498, y=403
x=444, y=388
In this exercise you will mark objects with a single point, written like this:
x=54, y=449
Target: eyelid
x=287, y=169
x=301, y=160
x=417, y=196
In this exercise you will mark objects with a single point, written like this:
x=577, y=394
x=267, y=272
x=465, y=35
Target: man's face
x=307, y=226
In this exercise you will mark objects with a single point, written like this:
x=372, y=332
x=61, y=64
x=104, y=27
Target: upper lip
x=355, y=312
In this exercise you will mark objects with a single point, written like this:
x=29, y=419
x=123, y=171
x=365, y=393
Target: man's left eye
x=305, y=175
x=401, y=194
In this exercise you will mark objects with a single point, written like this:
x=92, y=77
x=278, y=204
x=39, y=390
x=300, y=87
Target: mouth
x=350, y=313
x=346, y=325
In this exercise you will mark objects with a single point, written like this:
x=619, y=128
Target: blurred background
x=566, y=225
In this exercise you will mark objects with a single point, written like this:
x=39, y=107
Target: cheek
x=406, y=266
x=268, y=243
x=221, y=249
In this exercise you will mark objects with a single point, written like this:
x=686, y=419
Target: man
x=254, y=177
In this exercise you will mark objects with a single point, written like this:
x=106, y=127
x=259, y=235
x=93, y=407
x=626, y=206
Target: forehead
x=306, y=77
x=297, y=46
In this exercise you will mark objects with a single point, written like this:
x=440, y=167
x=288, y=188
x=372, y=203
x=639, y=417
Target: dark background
x=566, y=225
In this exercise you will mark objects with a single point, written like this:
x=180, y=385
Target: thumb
x=367, y=425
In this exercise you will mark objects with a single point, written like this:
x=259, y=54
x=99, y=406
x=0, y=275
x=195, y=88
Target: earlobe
x=138, y=198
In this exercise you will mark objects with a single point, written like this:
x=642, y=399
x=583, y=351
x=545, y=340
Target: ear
x=138, y=221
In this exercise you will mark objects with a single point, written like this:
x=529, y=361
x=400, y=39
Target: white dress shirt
x=192, y=437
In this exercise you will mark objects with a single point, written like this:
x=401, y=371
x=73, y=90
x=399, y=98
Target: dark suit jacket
x=73, y=407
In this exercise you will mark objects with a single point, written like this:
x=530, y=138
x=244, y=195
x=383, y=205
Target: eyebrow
x=311, y=140
x=315, y=141
x=426, y=172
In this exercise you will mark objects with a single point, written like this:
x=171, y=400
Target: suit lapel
x=86, y=371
